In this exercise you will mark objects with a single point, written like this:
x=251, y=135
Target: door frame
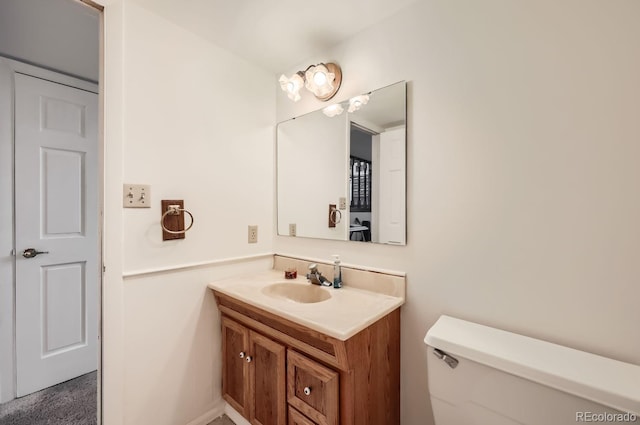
x=8, y=69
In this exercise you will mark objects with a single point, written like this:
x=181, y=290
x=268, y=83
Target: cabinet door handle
x=242, y=354
x=307, y=390
x=248, y=359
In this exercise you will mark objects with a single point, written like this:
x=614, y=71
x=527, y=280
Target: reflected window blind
x=360, y=184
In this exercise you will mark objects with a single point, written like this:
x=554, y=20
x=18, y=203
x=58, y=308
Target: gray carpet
x=71, y=403
x=222, y=420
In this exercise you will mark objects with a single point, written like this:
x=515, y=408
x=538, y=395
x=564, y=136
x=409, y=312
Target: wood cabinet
x=253, y=374
x=278, y=372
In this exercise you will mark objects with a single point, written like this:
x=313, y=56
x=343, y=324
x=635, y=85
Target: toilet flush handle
x=448, y=359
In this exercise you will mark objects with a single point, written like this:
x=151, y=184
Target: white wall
x=61, y=35
x=523, y=177
x=196, y=123
x=198, y=127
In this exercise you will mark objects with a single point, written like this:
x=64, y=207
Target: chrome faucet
x=316, y=277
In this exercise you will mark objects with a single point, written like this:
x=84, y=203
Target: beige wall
x=523, y=177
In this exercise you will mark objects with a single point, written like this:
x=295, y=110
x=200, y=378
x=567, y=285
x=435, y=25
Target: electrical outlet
x=253, y=234
x=342, y=203
x=292, y=229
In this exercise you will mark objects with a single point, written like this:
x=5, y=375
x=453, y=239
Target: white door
x=392, y=198
x=56, y=211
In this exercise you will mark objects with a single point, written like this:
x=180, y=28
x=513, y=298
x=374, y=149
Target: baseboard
x=209, y=416
x=236, y=417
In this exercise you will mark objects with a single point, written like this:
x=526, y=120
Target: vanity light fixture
x=355, y=103
x=323, y=80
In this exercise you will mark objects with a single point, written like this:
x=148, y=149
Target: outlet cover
x=292, y=229
x=253, y=234
x=136, y=196
x=342, y=203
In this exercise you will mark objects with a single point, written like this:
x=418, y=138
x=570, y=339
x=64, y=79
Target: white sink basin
x=296, y=292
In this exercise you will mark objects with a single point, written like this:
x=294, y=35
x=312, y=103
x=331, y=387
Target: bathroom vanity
x=289, y=359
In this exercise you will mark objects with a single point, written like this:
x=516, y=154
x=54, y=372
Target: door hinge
x=104, y=269
x=13, y=253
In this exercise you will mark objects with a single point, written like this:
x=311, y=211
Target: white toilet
x=485, y=376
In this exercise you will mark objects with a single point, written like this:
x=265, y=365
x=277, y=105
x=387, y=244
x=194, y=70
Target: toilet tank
x=480, y=375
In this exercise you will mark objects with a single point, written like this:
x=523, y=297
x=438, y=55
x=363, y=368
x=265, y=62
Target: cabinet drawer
x=312, y=389
x=297, y=418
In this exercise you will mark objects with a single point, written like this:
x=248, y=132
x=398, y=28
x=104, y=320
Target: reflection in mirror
x=348, y=157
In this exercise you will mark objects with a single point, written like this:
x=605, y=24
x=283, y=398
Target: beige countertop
x=344, y=314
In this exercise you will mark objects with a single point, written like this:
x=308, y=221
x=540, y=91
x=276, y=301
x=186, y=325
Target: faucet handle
x=313, y=268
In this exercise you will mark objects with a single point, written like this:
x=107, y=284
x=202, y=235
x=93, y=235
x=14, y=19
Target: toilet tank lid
x=606, y=381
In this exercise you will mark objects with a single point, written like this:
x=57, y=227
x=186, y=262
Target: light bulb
x=320, y=78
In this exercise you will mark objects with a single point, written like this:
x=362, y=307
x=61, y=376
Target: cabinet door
x=235, y=345
x=312, y=389
x=267, y=380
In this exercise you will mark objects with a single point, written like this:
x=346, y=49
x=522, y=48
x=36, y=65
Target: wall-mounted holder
x=335, y=215
x=172, y=220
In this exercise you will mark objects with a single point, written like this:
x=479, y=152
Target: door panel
x=267, y=377
x=63, y=307
x=62, y=172
x=56, y=210
x=235, y=345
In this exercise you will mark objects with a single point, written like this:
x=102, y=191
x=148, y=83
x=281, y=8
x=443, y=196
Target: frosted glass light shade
x=323, y=80
x=292, y=85
x=357, y=102
x=333, y=110
x=319, y=80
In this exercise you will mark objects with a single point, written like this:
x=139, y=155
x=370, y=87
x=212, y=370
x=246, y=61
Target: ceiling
x=275, y=34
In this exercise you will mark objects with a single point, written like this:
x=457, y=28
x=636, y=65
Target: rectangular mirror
x=341, y=170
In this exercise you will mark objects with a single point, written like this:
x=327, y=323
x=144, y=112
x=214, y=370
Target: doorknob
x=32, y=252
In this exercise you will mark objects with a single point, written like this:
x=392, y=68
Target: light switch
x=136, y=196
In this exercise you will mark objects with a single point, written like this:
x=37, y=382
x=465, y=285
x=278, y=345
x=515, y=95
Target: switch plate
x=292, y=229
x=342, y=203
x=253, y=234
x=136, y=196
